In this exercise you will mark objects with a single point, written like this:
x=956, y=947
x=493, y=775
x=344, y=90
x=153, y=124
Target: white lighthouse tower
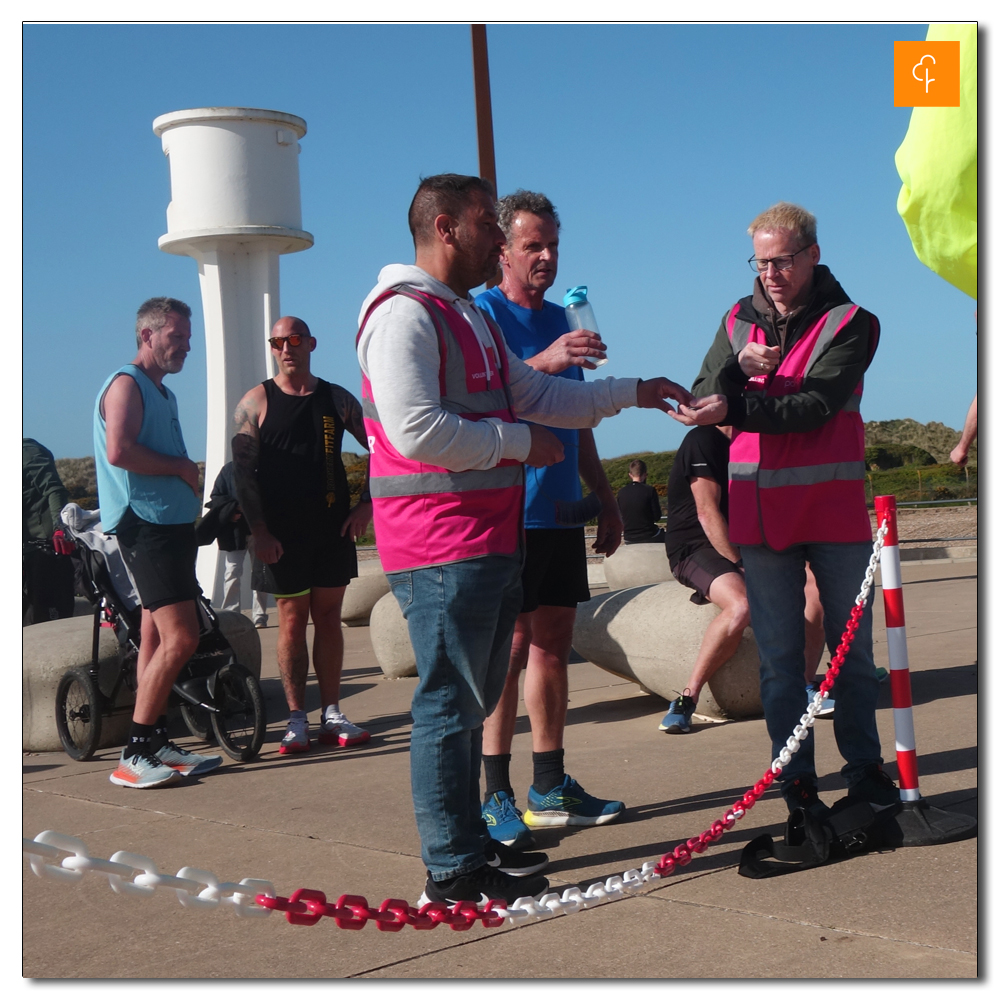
x=234, y=207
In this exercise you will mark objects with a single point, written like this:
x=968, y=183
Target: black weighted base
x=921, y=824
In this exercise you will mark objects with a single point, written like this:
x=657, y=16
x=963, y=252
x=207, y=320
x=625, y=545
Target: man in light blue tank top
x=148, y=492
x=554, y=578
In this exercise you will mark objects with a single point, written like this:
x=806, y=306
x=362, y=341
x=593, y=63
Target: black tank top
x=302, y=480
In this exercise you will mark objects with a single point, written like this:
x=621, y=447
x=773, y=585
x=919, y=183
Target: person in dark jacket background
x=640, y=507
x=231, y=532
x=46, y=573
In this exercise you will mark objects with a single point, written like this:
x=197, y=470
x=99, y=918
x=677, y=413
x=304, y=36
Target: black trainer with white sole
x=481, y=886
x=512, y=861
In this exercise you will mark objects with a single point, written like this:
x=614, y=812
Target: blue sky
x=657, y=143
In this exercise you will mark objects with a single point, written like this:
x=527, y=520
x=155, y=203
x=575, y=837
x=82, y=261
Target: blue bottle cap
x=575, y=295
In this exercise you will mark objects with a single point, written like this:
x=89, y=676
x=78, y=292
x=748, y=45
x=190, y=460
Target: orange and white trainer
x=143, y=770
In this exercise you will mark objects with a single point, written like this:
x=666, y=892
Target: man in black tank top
x=292, y=487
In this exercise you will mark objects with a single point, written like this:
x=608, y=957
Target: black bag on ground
x=852, y=826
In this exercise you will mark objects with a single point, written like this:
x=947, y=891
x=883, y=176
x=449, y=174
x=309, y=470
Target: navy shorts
x=700, y=570
x=161, y=559
x=555, y=568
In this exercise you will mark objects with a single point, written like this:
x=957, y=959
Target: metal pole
x=484, y=107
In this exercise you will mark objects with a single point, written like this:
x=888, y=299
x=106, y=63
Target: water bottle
x=580, y=315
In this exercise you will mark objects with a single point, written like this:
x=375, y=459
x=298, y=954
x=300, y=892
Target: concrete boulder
x=637, y=565
x=652, y=634
x=363, y=593
x=390, y=639
x=49, y=649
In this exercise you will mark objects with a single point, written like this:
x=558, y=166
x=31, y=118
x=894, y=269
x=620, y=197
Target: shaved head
x=288, y=325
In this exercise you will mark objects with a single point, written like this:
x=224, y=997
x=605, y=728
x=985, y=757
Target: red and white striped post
x=899, y=663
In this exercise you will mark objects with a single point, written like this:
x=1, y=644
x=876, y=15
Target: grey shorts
x=700, y=570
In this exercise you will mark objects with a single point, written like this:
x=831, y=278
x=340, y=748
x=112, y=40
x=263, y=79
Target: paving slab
x=341, y=821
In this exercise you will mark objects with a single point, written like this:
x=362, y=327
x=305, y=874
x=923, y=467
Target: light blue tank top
x=159, y=499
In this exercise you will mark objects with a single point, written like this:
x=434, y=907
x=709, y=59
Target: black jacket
x=830, y=382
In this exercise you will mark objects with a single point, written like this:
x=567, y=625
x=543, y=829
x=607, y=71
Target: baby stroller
x=214, y=692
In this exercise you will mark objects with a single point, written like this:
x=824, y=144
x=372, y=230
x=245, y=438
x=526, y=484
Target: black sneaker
x=513, y=862
x=802, y=793
x=875, y=786
x=481, y=886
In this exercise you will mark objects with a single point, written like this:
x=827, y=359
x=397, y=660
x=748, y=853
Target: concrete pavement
x=341, y=820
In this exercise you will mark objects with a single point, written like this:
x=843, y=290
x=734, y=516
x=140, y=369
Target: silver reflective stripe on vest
x=853, y=404
x=486, y=402
x=741, y=335
x=809, y=475
x=831, y=323
x=743, y=470
x=446, y=482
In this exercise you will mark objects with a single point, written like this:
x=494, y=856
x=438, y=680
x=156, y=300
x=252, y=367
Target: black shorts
x=161, y=559
x=700, y=570
x=555, y=568
x=321, y=559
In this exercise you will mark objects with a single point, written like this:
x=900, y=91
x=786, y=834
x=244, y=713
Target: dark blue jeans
x=460, y=618
x=776, y=592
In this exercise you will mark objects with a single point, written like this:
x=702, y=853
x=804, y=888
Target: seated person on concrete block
x=640, y=507
x=703, y=558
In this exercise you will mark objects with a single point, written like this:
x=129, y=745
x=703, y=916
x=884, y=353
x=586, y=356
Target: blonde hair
x=785, y=215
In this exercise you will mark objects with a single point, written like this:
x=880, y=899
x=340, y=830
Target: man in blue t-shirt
x=554, y=579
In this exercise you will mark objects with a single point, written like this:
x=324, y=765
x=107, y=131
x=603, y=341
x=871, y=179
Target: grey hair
x=523, y=201
x=152, y=314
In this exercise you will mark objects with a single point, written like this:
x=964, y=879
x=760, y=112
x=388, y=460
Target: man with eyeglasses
x=293, y=490
x=785, y=370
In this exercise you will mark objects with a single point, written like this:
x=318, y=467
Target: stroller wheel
x=198, y=722
x=240, y=723
x=79, y=705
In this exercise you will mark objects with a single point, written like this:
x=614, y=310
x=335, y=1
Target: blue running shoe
x=678, y=717
x=184, y=762
x=504, y=822
x=827, y=707
x=569, y=805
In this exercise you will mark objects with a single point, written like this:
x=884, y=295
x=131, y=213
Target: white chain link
x=800, y=732
x=136, y=875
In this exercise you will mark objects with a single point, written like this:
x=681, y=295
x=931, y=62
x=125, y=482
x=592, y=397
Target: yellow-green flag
x=938, y=163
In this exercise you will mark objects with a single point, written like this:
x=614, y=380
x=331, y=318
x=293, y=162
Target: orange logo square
x=926, y=74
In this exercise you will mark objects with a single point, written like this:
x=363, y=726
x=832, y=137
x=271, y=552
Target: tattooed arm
x=350, y=412
x=250, y=414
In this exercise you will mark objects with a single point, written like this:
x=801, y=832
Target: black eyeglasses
x=293, y=340
x=782, y=263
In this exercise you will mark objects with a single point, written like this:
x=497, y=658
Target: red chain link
x=306, y=906
x=681, y=854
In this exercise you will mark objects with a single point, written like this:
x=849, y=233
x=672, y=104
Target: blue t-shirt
x=528, y=332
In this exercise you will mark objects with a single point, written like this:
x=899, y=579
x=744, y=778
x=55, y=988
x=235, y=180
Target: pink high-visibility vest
x=426, y=515
x=789, y=489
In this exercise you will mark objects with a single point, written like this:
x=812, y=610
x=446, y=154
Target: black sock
x=549, y=771
x=496, y=770
x=159, y=734
x=140, y=739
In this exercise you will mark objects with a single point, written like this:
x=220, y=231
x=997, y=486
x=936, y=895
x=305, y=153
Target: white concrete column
x=235, y=208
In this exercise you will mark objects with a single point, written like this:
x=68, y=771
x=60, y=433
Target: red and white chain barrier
x=899, y=661
x=138, y=875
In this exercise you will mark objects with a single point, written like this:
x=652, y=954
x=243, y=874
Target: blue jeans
x=461, y=622
x=775, y=590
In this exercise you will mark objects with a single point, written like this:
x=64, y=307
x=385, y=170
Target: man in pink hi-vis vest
x=442, y=395
x=786, y=371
